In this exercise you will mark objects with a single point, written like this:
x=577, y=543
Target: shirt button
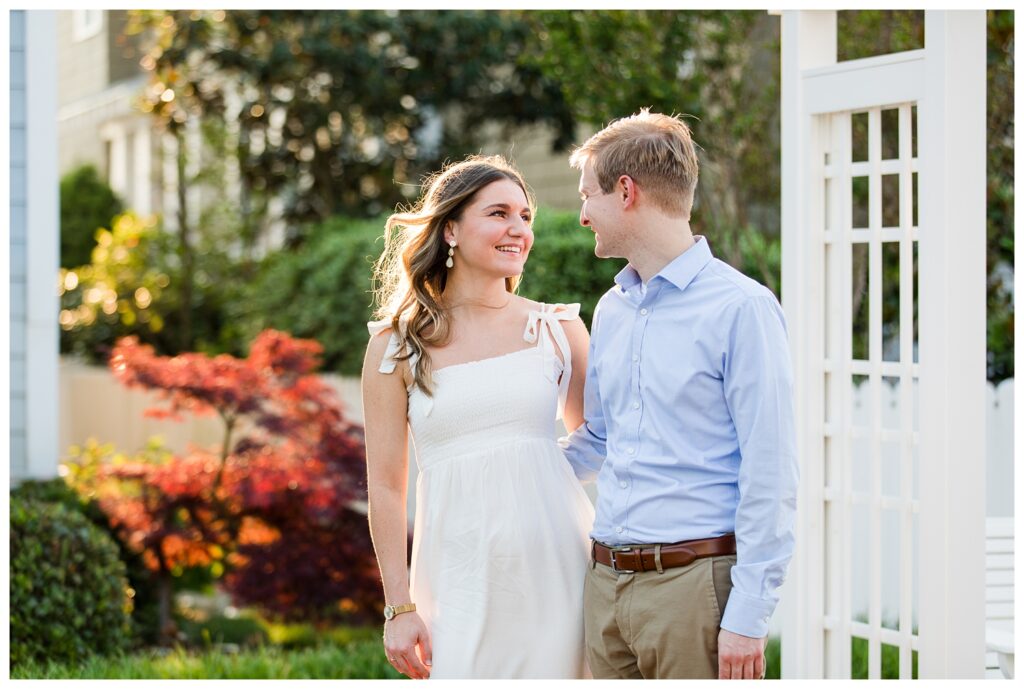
x=623, y=484
x=618, y=529
x=636, y=357
x=636, y=405
x=631, y=451
x=643, y=312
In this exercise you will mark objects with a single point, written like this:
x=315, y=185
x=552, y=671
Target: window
x=86, y=23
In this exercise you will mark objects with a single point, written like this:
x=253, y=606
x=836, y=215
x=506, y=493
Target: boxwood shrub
x=145, y=602
x=68, y=594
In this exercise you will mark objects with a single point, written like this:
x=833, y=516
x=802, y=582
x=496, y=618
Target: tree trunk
x=185, y=250
x=165, y=591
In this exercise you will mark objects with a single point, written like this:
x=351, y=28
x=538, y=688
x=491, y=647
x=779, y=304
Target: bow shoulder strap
x=388, y=361
x=542, y=327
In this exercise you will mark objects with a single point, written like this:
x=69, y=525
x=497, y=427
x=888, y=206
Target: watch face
x=389, y=612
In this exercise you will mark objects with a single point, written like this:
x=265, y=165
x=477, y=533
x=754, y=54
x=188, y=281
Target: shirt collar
x=627, y=278
x=680, y=271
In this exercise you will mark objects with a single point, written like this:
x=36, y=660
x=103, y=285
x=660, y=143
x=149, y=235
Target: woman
x=478, y=374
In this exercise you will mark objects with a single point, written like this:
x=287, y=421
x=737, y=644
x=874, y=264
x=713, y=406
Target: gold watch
x=391, y=610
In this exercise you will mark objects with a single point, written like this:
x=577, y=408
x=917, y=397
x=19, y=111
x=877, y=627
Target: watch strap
x=399, y=609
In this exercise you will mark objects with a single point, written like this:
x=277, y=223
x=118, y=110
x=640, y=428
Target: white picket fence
x=997, y=463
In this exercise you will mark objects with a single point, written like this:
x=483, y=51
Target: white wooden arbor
x=883, y=178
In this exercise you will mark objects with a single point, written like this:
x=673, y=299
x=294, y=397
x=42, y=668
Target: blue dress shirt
x=689, y=422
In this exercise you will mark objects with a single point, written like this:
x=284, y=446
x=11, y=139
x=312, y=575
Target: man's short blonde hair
x=655, y=150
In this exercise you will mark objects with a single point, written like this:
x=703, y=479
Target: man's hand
x=740, y=657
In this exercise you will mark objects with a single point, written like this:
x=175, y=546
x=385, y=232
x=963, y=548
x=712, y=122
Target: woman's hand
x=402, y=636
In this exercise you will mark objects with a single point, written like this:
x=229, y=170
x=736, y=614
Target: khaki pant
x=648, y=625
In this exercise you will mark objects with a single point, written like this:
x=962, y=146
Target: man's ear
x=627, y=190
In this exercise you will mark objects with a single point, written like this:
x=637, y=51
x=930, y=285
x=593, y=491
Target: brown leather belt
x=651, y=558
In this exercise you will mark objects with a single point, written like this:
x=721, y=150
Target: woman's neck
x=464, y=290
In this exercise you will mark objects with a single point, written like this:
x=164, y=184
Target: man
x=689, y=426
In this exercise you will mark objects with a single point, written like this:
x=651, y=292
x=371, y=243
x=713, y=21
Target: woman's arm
x=579, y=342
x=385, y=404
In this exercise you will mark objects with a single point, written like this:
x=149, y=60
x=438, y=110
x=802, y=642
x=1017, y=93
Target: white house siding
x=555, y=184
x=34, y=246
x=97, y=122
x=86, y=71
x=18, y=249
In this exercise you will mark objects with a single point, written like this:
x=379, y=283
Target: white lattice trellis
x=854, y=448
x=883, y=213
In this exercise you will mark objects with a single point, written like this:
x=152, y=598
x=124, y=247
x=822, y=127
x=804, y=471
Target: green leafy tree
x=341, y=112
x=865, y=33
x=720, y=69
x=87, y=203
x=1000, y=194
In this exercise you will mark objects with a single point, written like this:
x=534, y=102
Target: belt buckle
x=620, y=549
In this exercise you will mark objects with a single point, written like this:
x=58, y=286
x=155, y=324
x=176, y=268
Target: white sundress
x=500, y=544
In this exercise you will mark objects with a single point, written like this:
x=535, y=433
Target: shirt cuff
x=746, y=615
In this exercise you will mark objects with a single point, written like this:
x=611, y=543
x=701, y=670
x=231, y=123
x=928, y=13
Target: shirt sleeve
x=758, y=386
x=584, y=448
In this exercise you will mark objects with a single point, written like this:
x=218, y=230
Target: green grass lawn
x=245, y=646
x=362, y=659
x=299, y=652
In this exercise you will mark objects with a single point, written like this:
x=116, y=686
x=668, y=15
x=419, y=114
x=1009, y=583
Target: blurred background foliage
x=342, y=112
x=336, y=116
x=87, y=203
x=133, y=285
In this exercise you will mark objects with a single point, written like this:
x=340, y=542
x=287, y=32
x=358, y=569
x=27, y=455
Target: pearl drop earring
x=451, y=253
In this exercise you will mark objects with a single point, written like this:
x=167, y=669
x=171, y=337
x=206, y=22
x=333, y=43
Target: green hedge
x=68, y=593
x=87, y=203
x=322, y=290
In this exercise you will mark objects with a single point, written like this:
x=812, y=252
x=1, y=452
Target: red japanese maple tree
x=277, y=503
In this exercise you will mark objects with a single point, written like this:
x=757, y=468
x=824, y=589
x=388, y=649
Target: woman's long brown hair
x=410, y=275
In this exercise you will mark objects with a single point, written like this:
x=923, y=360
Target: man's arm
x=758, y=384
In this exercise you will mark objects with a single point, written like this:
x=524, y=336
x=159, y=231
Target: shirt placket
x=633, y=412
